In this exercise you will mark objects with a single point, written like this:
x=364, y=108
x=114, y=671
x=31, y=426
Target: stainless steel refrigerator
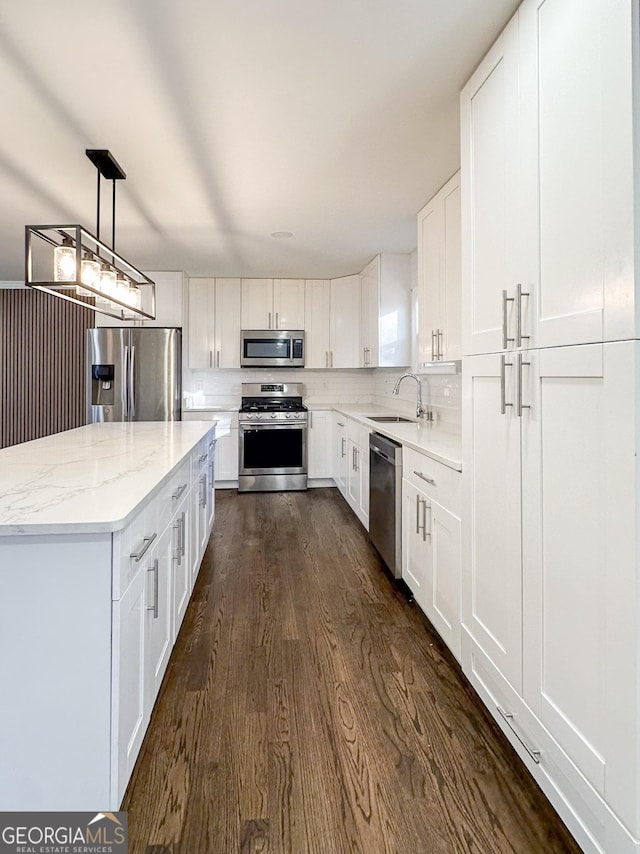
x=134, y=374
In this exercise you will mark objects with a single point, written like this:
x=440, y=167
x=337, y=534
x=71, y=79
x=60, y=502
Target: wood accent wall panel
x=42, y=365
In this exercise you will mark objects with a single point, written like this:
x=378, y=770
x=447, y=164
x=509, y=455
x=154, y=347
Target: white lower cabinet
x=340, y=451
x=550, y=613
x=358, y=470
x=320, y=462
x=432, y=541
x=158, y=635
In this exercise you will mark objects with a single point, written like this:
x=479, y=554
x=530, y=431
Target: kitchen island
x=102, y=533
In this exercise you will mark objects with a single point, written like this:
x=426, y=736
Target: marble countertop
x=91, y=479
x=422, y=436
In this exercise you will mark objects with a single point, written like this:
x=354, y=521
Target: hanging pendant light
x=102, y=280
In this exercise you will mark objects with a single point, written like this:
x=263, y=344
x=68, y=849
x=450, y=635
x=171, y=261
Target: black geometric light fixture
x=69, y=262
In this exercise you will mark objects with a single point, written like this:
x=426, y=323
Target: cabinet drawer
x=132, y=540
x=172, y=493
x=438, y=481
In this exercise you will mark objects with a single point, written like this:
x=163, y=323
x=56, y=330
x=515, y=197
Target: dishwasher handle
x=381, y=454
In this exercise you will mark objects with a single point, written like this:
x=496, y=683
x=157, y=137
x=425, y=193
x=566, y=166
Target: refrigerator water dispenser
x=102, y=377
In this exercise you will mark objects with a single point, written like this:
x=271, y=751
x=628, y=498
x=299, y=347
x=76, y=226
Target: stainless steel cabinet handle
x=440, y=353
x=344, y=447
x=179, y=491
x=353, y=459
x=311, y=420
x=519, y=404
x=217, y=358
x=203, y=491
x=418, y=500
x=341, y=424
x=519, y=336
x=357, y=450
x=508, y=717
x=156, y=591
x=137, y=556
x=503, y=384
x=433, y=348
x=277, y=326
x=177, y=555
x=326, y=358
x=331, y=358
x=183, y=538
x=426, y=533
x=424, y=477
x=210, y=358
x=505, y=338
x=201, y=459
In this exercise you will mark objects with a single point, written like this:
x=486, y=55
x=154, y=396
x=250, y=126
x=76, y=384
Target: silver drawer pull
x=156, y=590
x=137, y=556
x=508, y=717
x=202, y=458
x=179, y=491
x=424, y=477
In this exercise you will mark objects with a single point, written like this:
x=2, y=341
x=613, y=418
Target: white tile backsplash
x=330, y=388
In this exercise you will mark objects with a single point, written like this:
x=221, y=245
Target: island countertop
x=90, y=479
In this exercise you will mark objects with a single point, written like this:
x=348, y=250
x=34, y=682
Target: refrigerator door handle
x=132, y=386
x=125, y=385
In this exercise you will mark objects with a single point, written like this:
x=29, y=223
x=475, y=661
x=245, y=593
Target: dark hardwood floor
x=308, y=707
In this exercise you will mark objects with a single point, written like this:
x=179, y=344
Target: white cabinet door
x=579, y=559
x=288, y=303
x=430, y=241
x=340, y=454
x=129, y=619
x=201, y=295
x=451, y=281
x=414, y=541
x=319, y=439
x=181, y=587
x=157, y=568
x=444, y=532
x=492, y=585
x=317, y=323
x=345, y=322
x=227, y=446
x=369, y=313
x=227, y=324
x=489, y=155
x=576, y=77
x=257, y=304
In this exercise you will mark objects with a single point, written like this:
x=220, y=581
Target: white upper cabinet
x=214, y=323
x=489, y=134
x=317, y=323
x=257, y=304
x=439, y=276
x=385, y=321
x=548, y=180
x=273, y=303
x=576, y=127
x=288, y=303
x=345, y=322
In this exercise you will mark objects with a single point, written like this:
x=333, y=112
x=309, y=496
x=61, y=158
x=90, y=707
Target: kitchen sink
x=390, y=419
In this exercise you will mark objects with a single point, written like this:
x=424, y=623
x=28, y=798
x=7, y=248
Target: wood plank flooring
x=310, y=709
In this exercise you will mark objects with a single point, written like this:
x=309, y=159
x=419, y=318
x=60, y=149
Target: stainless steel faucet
x=421, y=412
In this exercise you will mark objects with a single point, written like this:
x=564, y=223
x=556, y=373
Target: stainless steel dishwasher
x=385, y=500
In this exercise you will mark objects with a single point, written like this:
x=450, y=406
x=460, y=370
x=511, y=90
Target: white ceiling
x=333, y=119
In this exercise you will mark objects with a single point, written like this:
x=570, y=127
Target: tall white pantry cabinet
x=551, y=400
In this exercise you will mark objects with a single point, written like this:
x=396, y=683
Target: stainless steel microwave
x=272, y=348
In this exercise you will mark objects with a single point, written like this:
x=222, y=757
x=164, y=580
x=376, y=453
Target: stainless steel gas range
x=273, y=437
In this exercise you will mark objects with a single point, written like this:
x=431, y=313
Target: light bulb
x=108, y=280
x=89, y=275
x=64, y=263
x=135, y=297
